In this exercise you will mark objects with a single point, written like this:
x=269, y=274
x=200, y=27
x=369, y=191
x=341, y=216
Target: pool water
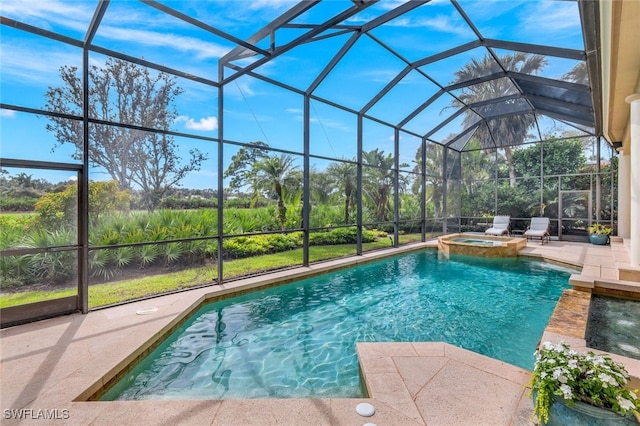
x=477, y=241
x=613, y=325
x=298, y=340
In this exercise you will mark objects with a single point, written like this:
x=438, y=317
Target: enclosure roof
x=447, y=71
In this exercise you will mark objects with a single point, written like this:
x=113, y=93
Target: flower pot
x=598, y=239
x=581, y=414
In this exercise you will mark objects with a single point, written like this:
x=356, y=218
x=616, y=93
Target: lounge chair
x=539, y=228
x=500, y=226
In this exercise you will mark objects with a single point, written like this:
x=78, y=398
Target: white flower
x=566, y=391
x=607, y=379
x=548, y=346
x=598, y=360
x=625, y=403
x=558, y=374
x=573, y=363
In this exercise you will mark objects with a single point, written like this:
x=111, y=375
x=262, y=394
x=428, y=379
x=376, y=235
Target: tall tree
x=274, y=173
x=509, y=131
x=121, y=92
x=252, y=165
x=240, y=168
x=434, y=183
x=378, y=182
x=344, y=177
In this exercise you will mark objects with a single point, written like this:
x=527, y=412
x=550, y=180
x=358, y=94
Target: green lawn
x=120, y=291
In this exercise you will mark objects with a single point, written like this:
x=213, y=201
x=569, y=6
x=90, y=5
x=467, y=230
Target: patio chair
x=500, y=226
x=539, y=228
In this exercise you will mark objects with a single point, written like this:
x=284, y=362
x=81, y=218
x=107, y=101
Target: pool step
x=620, y=250
x=601, y=285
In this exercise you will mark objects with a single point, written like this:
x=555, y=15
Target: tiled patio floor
x=49, y=365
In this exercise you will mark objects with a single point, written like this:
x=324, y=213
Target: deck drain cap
x=146, y=311
x=365, y=409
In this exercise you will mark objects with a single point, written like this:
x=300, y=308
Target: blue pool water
x=298, y=340
x=477, y=241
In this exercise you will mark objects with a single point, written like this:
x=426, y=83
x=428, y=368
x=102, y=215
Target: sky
x=256, y=110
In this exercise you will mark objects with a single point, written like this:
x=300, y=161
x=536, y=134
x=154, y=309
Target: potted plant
x=599, y=234
x=571, y=387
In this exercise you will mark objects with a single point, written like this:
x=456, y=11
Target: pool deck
x=49, y=366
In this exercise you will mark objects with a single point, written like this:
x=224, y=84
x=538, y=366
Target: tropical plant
x=266, y=173
x=378, y=182
x=599, y=229
x=563, y=373
x=344, y=176
x=505, y=132
x=274, y=173
x=434, y=190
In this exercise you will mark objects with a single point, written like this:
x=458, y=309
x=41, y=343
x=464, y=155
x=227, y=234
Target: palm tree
x=344, y=177
x=433, y=179
x=273, y=173
x=511, y=129
x=578, y=74
x=378, y=182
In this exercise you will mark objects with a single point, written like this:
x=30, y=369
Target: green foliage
x=128, y=289
x=51, y=267
x=561, y=372
x=60, y=208
x=326, y=215
x=260, y=244
x=17, y=204
x=177, y=203
x=14, y=228
x=561, y=157
x=341, y=236
x=599, y=229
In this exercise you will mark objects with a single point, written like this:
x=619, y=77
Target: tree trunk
x=512, y=170
x=282, y=210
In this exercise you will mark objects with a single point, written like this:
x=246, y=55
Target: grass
x=120, y=291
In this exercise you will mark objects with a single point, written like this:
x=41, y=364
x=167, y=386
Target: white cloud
x=48, y=14
x=36, y=62
x=294, y=110
x=558, y=17
x=201, y=49
x=270, y=4
x=7, y=113
x=206, y=123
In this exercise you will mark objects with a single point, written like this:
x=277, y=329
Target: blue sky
x=255, y=110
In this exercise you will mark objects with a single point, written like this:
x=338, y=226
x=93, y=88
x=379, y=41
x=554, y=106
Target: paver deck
x=48, y=366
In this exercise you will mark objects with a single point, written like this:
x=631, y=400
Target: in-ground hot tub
x=480, y=245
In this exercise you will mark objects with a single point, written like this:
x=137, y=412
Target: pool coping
x=48, y=364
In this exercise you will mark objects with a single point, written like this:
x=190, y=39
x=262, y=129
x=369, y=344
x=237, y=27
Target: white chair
x=500, y=226
x=539, y=228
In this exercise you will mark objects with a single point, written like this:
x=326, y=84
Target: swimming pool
x=298, y=339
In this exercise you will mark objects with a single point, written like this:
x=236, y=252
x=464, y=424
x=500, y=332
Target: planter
x=598, y=239
x=581, y=414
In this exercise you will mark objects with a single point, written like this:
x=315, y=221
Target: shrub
x=57, y=209
x=341, y=236
x=17, y=204
x=253, y=245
